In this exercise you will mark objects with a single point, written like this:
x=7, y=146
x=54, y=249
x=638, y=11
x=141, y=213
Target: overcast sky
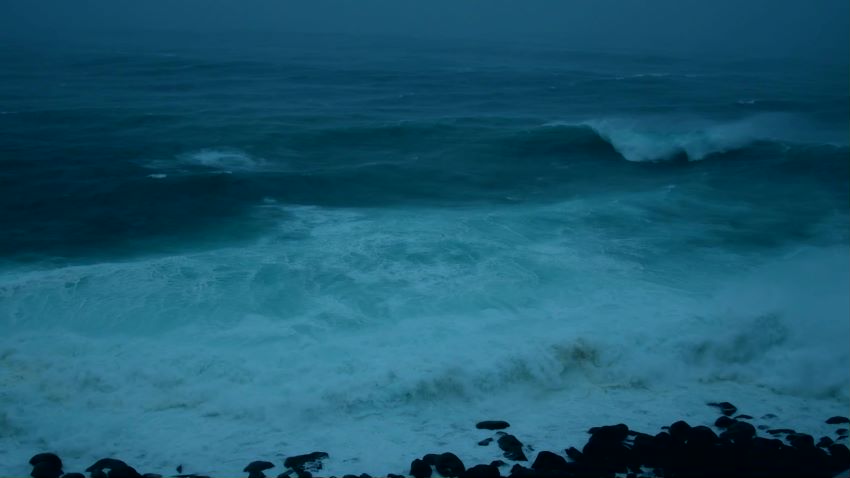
x=800, y=28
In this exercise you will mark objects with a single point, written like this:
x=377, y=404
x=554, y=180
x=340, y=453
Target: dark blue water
x=345, y=122
x=232, y=238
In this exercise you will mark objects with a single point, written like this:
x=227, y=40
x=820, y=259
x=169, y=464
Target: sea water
x=216, y=250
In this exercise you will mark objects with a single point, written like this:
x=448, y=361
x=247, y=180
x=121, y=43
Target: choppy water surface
x=215, y=251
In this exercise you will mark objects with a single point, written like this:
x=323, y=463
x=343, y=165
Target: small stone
x=498, y=463
x=724, y=422
x=768, y=416
x=841, y=431
x=258, y=466
x=492, y=425
x=485, y=442
x=726, y=408
x=512, y=448
x=74, y=475
x=420, y=469
x=781, y=431
x=393, y=475
x=743, y=417
x=837, y=420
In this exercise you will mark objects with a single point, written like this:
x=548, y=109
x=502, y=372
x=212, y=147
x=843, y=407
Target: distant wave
x=664, y=139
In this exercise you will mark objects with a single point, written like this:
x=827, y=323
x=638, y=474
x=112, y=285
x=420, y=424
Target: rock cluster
x=733, y=447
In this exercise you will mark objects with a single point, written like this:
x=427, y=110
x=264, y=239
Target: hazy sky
x=807, y=28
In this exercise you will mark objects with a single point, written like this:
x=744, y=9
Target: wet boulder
x=511, y=448
x=492, y=425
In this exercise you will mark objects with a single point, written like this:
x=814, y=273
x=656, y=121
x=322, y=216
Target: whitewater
x=214, y=254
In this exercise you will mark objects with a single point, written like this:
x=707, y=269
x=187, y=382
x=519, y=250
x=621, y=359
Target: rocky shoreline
x=731, y=446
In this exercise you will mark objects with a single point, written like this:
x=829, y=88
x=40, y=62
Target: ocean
x=216, y=249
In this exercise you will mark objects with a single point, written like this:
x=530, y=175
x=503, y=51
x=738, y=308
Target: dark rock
x=485, y=442
x=492, y=425
x=824, y=442
x=781, y=431
x=50, y=458
x=151, y=475
x=610, y=433
x=519, y=471
x=801, y=440
x=763, y=427
x=97, y=474
x=724, y=422
x=46, y=469
x=743, y=417
x=606, y=452
x=307, y=462
x=548, y=461
x=840, y=454
x=573, y=453
x=482, y=471
x=831, y=421
x=393, y=475
x=679, y=431
x=739, y=432
x=258, y=466
x=365, y=475
x=430, y=458
x=449, y=465
x=511, y=447
x=841, y=431
x=420, y=469
x=73, y=475
x=123, y=472
x=302, y=473
x=702, y=437
x=112, y=463
x=287, y=473
x=349, y=476
x=179, y=468
x=726, y=408
x=498, y=463
x=768, y=416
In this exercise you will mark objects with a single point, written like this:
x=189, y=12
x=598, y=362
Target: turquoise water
x=222, y=241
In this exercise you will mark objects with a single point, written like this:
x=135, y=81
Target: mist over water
x=253, y=248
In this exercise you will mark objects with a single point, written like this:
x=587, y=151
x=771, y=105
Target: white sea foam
x=215, y=161
x=664, y=138
x=223, y=159
x=380, y=335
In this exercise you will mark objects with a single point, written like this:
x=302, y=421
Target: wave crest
x=663, y=139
